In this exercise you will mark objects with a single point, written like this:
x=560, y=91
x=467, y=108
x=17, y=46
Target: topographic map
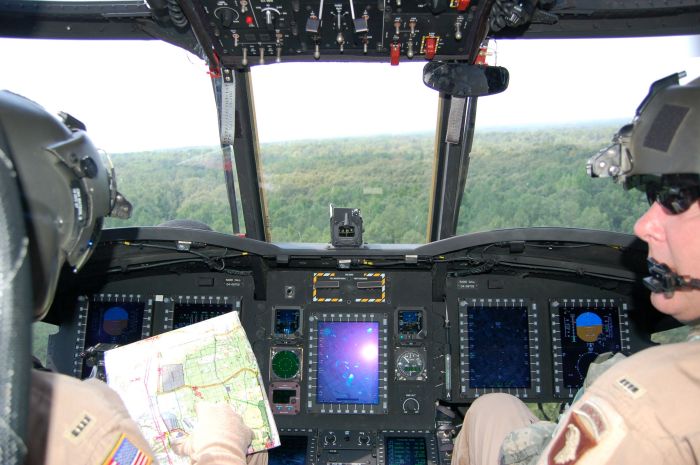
x=160, y=380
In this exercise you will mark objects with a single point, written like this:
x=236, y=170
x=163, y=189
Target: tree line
x=517, y=178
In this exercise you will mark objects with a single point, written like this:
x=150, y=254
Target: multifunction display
x=497, y=350
x=109, y=319
x=181, y=311
x=347, y=373
x=292, y=451
x=582, y=329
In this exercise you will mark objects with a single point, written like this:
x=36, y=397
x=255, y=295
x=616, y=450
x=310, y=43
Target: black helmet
x=67, y=188
x=661, y=146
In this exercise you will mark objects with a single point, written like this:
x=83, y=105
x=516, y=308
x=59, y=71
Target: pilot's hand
x=220, y=437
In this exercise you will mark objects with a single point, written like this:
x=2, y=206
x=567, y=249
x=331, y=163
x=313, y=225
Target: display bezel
x=311, y=442
x=296, y=334
x=169, y=303
x=300, y=357
x=430, y=444
x=84, y=306
x=556, y=306
x=312, y=405
x=467, y=305
x=403, y=338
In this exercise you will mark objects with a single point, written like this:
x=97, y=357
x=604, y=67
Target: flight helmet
x=659, y=153
x=66, y=186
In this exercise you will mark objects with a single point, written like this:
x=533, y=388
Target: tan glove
x=220, y=437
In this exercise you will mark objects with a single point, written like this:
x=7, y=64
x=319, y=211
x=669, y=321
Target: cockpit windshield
x=527, y=164
x=356, y=135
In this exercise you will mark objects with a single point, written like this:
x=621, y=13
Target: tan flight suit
x=77, y=422
x=642, y=410
x=85, y=422
x=486, y=424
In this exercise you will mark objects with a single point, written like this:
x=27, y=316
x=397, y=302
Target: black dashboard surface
x=516, y=311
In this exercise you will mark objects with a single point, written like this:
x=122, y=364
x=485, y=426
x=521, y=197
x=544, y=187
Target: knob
x=411, y=405
x=330, y=439
x=226, y=17
x=364, y=440
x=269, y=19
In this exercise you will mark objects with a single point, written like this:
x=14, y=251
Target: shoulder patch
x=589, y=435
x=630, y=387
x=77, y=429
x=126, y=453
x=574, y=440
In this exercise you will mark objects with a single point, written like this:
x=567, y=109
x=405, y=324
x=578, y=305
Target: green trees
x=519, y=178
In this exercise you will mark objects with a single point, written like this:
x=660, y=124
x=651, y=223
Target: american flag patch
x=125, y=453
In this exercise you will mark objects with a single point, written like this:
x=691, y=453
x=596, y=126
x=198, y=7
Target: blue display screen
x=406, y=451
x=186, y=314
x=586, y=332
x=291, y=452
x=348, y=363
x=287, y=321
x=114, y=323
x=499, y=347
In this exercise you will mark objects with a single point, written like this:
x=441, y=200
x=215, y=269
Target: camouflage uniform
x=615, y=419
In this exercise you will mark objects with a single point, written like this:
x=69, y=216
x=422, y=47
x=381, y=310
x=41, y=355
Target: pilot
x=641, y=409
x=65, y=189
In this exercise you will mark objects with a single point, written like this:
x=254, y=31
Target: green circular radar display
x=285, y=364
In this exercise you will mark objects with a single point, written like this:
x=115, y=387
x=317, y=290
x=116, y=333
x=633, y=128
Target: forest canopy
x=517, y=178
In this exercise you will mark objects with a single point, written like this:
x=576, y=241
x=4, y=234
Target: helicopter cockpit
x=463, y=235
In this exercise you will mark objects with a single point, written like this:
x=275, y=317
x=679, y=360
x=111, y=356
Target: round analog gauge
x=410, y=364
x=285, y=364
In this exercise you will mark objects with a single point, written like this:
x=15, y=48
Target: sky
x=145, y=95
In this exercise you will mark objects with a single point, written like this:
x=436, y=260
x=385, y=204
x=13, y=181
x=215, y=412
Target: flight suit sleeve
x=634, y=413
x=80, y=422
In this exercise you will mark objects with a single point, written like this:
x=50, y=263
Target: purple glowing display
x=348, y=363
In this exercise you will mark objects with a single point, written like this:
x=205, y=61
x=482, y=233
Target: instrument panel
x=357, y=363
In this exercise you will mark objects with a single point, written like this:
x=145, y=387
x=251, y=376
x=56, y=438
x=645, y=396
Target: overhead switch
x=462, y=5
x=430, y=47
x=395, y=54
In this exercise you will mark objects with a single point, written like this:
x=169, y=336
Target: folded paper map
x=160, y=380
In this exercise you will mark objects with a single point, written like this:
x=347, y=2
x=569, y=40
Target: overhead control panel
x=253, y=32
